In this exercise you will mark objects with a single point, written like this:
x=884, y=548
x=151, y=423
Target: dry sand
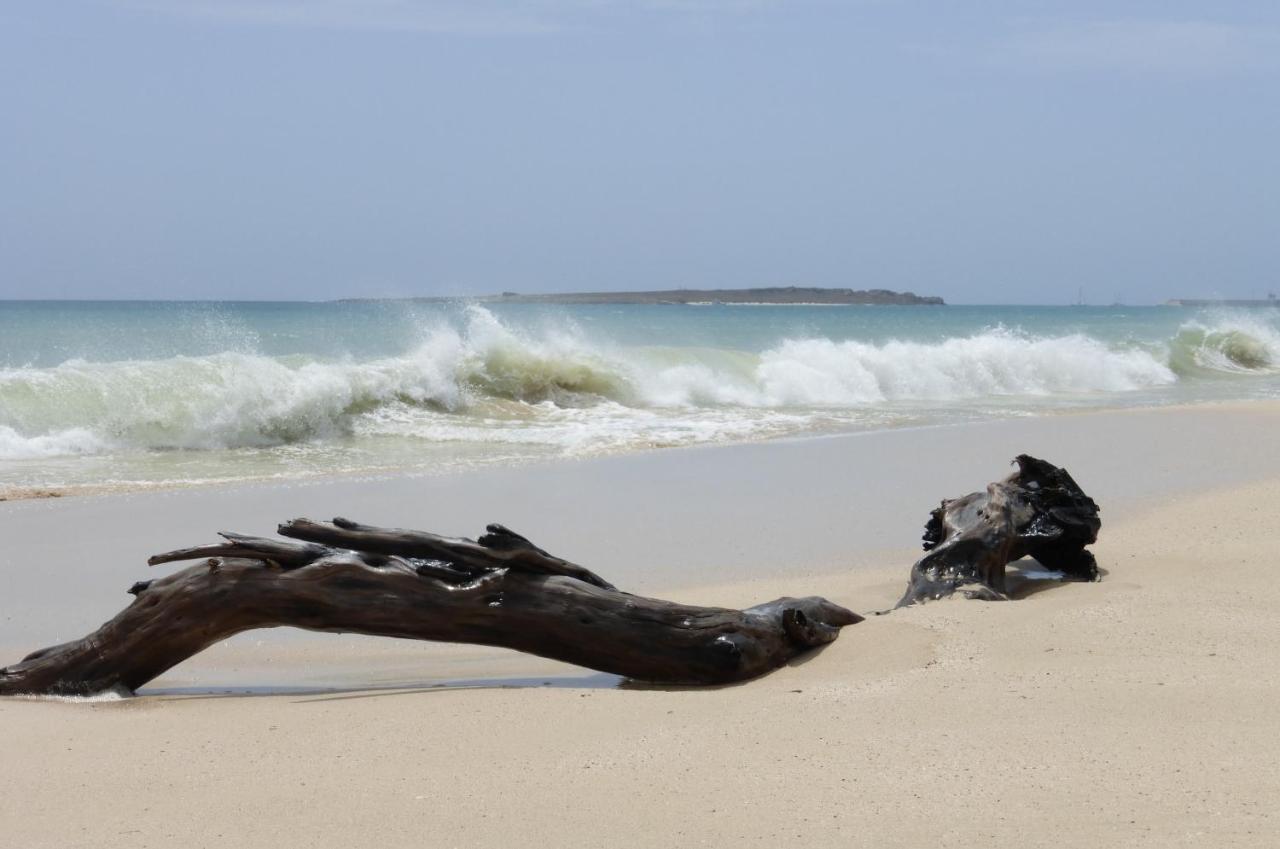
x=1139, y=711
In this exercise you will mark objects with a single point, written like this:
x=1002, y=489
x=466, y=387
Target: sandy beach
x=537, y=412
x=1137, y=711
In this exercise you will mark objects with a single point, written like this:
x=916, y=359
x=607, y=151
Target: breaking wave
x=1232, y=343
x=484, y=380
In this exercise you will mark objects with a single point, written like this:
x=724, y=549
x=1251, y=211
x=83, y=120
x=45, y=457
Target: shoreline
x=726, y=515
x=30, y=493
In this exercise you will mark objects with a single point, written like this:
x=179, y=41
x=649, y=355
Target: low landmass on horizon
x=766, y=295
x=1271, y=301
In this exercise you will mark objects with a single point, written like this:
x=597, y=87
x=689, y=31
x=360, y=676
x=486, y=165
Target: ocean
x=127, y=395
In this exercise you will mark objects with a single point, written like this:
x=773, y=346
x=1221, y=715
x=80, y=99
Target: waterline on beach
x=96, y=396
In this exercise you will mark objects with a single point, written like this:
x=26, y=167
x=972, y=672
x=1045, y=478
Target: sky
x=988, y=152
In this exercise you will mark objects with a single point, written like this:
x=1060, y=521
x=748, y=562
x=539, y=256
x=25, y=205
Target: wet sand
x=1138, y=711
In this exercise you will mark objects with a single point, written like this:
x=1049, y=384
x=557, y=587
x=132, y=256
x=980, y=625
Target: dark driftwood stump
x=500, y=590
x=1038, y=511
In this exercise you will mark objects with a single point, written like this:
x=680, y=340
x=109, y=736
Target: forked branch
x=499, y=590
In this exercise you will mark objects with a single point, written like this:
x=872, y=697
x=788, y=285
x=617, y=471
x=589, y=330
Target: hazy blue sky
x=983, y=151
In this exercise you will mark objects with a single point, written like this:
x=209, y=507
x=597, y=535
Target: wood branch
x=287, y=554
x=498, y=548
x=1038, y=511
x=501, y=590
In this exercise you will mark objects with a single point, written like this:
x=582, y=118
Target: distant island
x=768, y=295
x=1271, y=301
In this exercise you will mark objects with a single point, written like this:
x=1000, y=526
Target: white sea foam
x=116, y=694
x=820, y=372
x=485, y=382
x=76, y=440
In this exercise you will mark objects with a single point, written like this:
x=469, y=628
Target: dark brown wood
x=1039, y=511
x=499, y=590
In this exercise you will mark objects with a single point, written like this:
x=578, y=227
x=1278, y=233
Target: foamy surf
x=116, y=694
x=477, y=387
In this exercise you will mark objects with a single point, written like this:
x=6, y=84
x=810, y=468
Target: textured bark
x=1038, y=511
x=499, y=590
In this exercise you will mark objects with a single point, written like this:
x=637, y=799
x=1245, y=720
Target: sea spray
x=820, y=372
x=488, y=373
x=474, y=384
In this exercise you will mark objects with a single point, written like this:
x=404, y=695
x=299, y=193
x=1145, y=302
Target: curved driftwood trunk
x=1038, y=511
x=500, y=590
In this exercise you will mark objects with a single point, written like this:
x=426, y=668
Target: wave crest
x=237, y=400
x=821, y=372
x=1237, y=343
x=482, y=381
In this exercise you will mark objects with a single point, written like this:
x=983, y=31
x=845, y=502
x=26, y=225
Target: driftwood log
x=1038, y=511
x=499, y=590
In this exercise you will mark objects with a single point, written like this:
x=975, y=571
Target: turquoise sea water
x=129, y=394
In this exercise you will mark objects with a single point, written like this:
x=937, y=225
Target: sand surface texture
x=1138, y=711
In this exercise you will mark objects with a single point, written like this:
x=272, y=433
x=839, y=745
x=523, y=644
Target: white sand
x=1139, y=711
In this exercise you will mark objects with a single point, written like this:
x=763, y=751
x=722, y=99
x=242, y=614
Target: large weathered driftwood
x=1038, y=511
x=499, y=590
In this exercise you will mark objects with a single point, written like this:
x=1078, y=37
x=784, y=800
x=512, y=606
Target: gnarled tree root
x=500, y=590
x=1038, y=511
